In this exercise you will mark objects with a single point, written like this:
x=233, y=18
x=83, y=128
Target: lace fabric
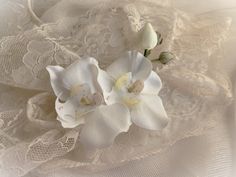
x=31, y=140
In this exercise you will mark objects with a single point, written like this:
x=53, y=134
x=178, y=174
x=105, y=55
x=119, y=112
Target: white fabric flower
x=80, y=101
x=137, y=86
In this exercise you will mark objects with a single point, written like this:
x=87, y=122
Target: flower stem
x=146, y=52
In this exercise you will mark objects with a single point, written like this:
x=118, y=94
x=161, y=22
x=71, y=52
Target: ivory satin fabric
x=209, y=155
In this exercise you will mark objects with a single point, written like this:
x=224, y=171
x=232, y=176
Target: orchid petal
x=120, y=66
x=81, y=72
x=67, y=114
x=105, y=82
x=153, y=84
x=71, y=113
x=104, y=124
x=69, y=122
x=114, y=97
x=141, y=68
x=55, y=73
x=149, y=113
x=133, y=62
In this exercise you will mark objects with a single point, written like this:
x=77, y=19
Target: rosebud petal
x=148, y=37
x=165, y=57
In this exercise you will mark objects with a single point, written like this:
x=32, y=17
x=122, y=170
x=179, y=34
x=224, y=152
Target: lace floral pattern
x=30, y=137
x=36, y=52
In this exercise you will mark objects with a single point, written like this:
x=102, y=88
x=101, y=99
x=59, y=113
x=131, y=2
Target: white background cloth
x=209, y=155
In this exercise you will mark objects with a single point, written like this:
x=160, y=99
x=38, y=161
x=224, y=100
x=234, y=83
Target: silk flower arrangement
x=107, y=102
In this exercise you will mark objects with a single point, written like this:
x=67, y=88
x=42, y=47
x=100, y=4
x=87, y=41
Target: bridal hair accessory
x=107, y=102
x=91, y=86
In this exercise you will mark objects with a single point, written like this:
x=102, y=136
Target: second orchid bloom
x=106, y=103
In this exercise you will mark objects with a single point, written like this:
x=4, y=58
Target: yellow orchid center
x=122, y=81
x=133, y=89
x=86, y=101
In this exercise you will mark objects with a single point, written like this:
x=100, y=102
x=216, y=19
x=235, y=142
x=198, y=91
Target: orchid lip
x=122, y=81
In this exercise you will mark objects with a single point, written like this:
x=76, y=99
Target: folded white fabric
x=195, y=96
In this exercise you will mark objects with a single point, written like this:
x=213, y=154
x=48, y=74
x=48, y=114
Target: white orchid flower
x=148, y=37
x=80, y=101
x=137, y=86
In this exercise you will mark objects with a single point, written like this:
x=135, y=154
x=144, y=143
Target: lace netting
x=32, y=140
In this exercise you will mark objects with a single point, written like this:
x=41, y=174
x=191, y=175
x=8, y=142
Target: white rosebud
x=165, y=57
x=148, y=37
